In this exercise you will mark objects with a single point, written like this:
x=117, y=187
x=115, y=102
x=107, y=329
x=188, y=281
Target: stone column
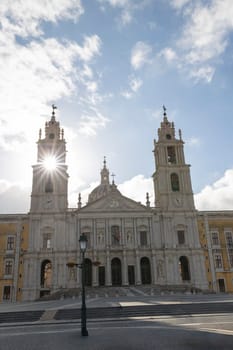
x=138, y=269
x=125, y=281
x=95, y=281
x=108, y=270
x=154, y=271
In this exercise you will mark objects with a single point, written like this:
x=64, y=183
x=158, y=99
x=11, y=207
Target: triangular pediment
x=114, y=202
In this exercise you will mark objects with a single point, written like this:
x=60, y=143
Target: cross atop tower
x=113, y=178
x=164, y=111
x=53, y=112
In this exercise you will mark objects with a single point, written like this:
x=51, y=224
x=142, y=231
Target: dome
x=104, y=188
x=98, y=192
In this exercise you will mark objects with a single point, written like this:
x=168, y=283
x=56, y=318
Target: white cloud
x=24, y=17
x=127, y=8
x=218, y=196
x=202, y=74
x=34, y=75
x=140, y=55
x=169, y=54
x=126, y=17
x=205, y=36
x=83, y=189
x=36, y=72
x=193, y=141
x=14, y=198
x=90, y=47
x=156, y=114
x=136, y=189
x=178, y=4
x=89, y=124
x=134, y=85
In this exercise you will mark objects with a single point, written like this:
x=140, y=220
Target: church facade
x=129, y=244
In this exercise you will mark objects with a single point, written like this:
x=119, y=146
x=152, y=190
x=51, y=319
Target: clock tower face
x=177, y=201
x=48, y=203
x=50, y=178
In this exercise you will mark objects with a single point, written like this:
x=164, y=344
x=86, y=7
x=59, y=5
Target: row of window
x=10, y=243
x=8, y=267
x=115, y=237
x=228, y=239
x=218, y=260
x=116, y=272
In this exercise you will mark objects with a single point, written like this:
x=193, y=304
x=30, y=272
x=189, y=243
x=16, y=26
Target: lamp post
x=83, y=247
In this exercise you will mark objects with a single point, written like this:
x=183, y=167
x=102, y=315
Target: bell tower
x=50, y=178
x=172, y=180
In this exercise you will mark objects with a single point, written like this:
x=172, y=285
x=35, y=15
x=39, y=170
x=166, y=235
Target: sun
x=50, y=163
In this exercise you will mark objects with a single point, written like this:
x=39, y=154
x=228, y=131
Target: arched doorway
x=116, y=272
x=46, y=274
x=145, y=270
x=184, y=268
x=88, y=272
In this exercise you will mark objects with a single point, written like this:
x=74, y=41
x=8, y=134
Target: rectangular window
x=229, y=240
x=47, y=241
x=8, y=267
x=230, y=256
x=180, y=236
x=218, y=261
x=10, y=243
x=171, y=155
x=215, y=238
x=143, y=238
x=6, y=292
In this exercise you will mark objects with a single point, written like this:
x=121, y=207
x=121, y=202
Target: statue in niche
x=72, y=271
x=129, y=237
x=160, y=269
x=100, y=238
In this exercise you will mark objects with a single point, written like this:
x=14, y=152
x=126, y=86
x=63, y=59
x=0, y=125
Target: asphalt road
x=168, y=332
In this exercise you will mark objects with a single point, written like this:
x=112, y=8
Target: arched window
x=171, y=155
x=46, y=274
x=175, y=182
x=145, y=270
x=184, y=268
x=116, y=272
x=88, y=272
x=49, y=185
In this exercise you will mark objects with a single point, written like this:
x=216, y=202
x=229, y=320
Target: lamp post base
x=84, y=332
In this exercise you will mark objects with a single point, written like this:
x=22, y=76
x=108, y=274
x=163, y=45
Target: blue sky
x=109, y=66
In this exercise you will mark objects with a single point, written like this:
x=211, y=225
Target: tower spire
x=53, y=112
x=104, y=162
x=104, y=173
x=164, y=114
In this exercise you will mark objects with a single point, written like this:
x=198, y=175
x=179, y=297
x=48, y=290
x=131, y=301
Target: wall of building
x=13, y=238
x=216, y=237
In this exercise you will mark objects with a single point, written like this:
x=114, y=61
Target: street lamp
x=83, y=247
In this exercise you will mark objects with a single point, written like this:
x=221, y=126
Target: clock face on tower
x=177, y=201
x=48, y=203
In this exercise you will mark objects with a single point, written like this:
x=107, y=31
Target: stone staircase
x=116, y=292
x=20, y=316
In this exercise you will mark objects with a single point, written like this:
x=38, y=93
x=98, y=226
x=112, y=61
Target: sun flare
x=50, y=163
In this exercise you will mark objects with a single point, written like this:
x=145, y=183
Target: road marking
x=218, y=331
x=77, y=330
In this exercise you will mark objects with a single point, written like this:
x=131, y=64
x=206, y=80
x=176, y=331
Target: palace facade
x=168, y=244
